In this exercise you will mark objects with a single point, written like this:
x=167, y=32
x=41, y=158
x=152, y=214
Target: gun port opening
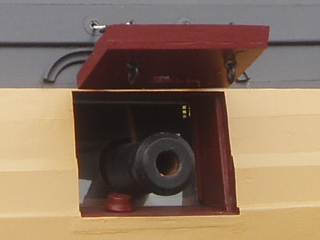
x=104, y=118
x=167, y=163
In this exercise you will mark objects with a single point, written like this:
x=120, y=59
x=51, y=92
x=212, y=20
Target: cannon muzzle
x=162, y=164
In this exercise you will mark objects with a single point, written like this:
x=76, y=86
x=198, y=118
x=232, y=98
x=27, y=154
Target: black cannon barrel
x=162, y=164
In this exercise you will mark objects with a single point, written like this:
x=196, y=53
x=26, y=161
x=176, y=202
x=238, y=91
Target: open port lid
x=172, y=56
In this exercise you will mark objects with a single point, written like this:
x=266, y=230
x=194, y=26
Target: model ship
x=154, y=144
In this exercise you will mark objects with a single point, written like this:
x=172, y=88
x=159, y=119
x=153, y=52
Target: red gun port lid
x=172, y=56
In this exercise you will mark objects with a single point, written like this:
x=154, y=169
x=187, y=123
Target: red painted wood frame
x=214, y=164
x=171, y=56
x=215, y=169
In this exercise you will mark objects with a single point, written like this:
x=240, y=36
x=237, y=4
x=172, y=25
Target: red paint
x=184, y=56
x=215, y=170
x=117, y=202
x=155, y=211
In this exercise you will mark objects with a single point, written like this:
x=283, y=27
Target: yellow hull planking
x=274, y=137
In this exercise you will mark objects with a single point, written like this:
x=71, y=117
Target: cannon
x=163, y=164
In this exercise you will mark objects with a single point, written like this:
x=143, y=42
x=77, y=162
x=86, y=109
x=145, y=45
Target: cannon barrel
x=163, y=164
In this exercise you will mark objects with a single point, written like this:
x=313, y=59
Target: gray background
x=34, y=34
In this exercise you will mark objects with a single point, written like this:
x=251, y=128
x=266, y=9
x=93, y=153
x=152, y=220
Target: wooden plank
x=180, y=56
x=289, y=22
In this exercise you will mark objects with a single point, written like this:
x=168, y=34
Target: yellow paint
x=275, y=143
